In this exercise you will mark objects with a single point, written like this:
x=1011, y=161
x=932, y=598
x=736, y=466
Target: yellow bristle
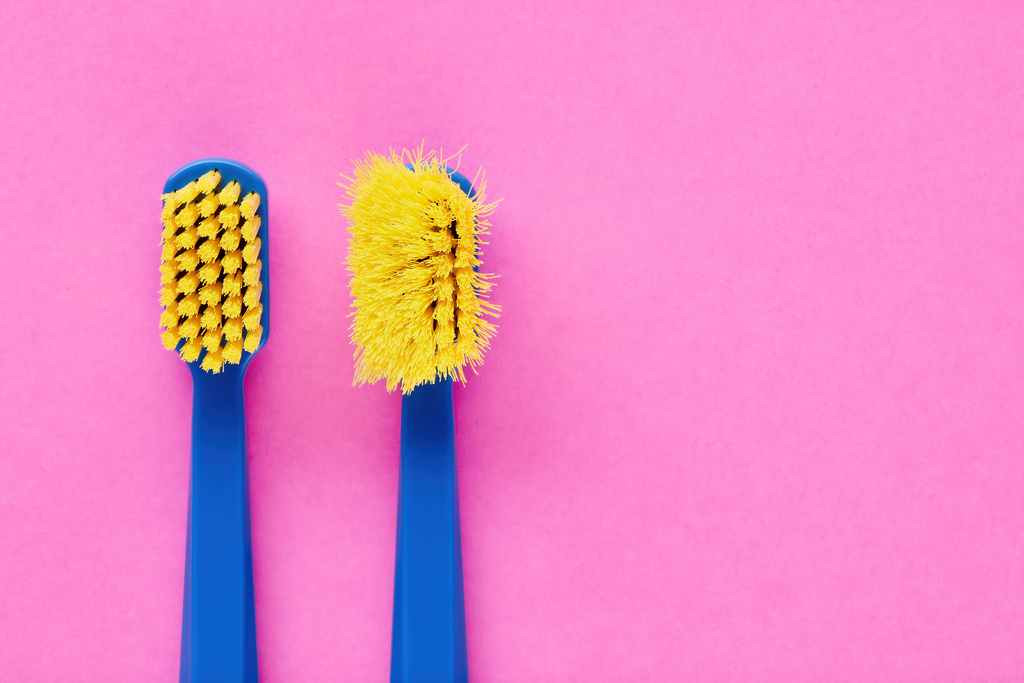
x=232, y=261
x=187, y=238
x=171, y=315
x=229, y=216
x=232, y=284
x=188, y=261
x=233, y=351
x=230, y=240
x=191, y=349
x=186, y=218
x=171, y=202
x=414, y=240
x=212, y=362
x=170, y=338
x=212, y=318
x=170, y=230
x=188, y=283
x=229, y=195
x=209, y=250
x=189, y=306
x=252, y=273
x=168, y=293
x=233, y=329
x=252, y=251
x=210, y=272
x=190, y=328
x=187, y=193
x=249, y=205
x=210, y=294
x=168, y=272
x=207, y=205
x=213, y=338
x=252, y=294
x=167, y=251
x=233, y=307
x=208, y=181
x=252, y=317
x=252, y=339
x=250, y=228
x=209, y=227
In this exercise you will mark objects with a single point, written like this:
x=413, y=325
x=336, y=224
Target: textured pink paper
x=755, y=411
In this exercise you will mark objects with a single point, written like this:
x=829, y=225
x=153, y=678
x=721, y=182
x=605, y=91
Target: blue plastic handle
x=428, y=637
x=218, y=630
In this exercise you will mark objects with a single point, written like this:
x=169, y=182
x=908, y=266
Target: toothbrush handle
x=428, y=638
x=218, y=633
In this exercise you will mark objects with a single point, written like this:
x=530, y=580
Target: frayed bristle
x=210, y=250
x=414, y=244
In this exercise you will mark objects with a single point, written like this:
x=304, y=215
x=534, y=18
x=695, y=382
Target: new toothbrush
x=215, y=294
x=419, y=302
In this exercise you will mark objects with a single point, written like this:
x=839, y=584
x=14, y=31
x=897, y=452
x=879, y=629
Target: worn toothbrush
x=420, y=302
x=215, y=295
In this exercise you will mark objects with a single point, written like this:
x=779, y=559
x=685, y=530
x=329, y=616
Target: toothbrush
x=419, y=304
x=216, y=314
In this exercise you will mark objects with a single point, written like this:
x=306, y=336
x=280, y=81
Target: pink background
x=755, y=411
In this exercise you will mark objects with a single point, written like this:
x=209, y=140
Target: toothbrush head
x=213, y=275
x=414, y=254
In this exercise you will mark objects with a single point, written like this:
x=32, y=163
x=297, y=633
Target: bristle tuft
x=212, y=318
x=187, y=238
x=210, y=272
x=191, y=349
x=188, y=261
x=188, y=283
x=189, y=306
x=208, y=181
x=252, y=295
x=250, y=228
x=233, y=307
x=233, y=351
x=213, y=361
x=186, y=218
x=190, y=328
x=209, y=227
x=249, y=205
x=232, y=261
x=252, y=317
x=170, y=338
x=252, y=339
x=233, y=284
x=252, y=273
x=229, y=195
x=209, y=250
x=233, y=329
x=213, y=338
x=252, y=251
x=208, y=205
x=230, y=240
x=210, y=294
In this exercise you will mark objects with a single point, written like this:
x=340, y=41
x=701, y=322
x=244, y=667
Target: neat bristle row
x=414, y=249
x=210, y=271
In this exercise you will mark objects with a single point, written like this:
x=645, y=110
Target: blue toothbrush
x=420, y=300
x=218, y=634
